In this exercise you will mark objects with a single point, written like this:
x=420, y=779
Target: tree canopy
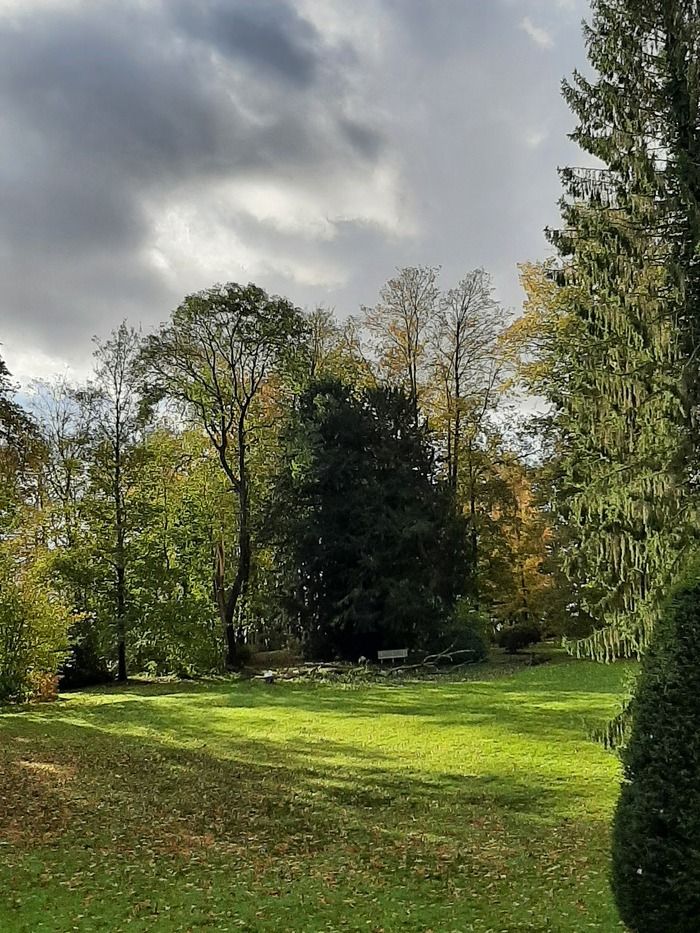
x=371, y=546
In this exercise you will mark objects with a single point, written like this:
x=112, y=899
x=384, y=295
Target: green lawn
x=479, y=805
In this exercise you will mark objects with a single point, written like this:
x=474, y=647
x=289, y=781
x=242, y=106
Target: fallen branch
x=432, y=660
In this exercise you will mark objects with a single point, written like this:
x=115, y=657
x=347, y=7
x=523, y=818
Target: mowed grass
x=480, y=805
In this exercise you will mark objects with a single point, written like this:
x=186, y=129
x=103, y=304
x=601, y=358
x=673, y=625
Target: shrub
x=466, y=630
x=180, y=636
x=656, y=858
x=86, y=665
x=33, y=627
x=520, y=635
x=44, y=687
x=244, y=654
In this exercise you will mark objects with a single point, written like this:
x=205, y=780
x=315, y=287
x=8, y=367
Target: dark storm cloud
x=369, y=135
x=267, y=35
x=107, y=105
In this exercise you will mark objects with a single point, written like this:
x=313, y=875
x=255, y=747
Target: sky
x=152, y=148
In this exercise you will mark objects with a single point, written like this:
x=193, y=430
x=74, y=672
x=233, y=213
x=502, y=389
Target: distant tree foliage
x=371, y=547
x=251, y=474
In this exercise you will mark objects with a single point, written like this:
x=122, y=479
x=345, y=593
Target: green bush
x=86, y=665
x=180, y=636
x=466, y=630
x=656, y=854
x=521, y=635
x=244, y=654
x=33, y=632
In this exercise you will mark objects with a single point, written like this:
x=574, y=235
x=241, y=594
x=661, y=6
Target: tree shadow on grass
x=260, y=789
x=124, y=785
x=535, y=709
x=143, y=742
x=169, y=775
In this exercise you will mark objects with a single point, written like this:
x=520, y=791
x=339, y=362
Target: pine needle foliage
x=370, y=547
x=628, y=288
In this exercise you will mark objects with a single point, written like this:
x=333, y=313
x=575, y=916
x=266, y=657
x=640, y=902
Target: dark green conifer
x=371, y=551
x=656, y=856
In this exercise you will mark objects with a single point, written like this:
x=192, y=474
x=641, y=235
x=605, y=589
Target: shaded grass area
x=478, y=805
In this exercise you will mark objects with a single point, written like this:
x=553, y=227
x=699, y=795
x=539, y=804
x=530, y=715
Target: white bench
x=393, y=654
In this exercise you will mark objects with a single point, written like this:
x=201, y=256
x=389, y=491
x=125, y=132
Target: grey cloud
x=106, y=106
x=364, y=139
x=268, y=35
x=148, y=103
x=110, y=109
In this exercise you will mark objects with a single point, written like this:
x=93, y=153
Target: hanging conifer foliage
x=628, y=279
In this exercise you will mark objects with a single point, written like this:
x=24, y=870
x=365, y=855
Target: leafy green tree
x=33, y=625
x=22, y=456
x=656, y=861
x=175, y=506
x=183, y=506
x=115, y=411
x=33, y=622
x=370, y=547
x=215, y=358
x=77, y=568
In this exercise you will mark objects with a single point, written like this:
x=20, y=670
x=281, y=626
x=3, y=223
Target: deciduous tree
x=215, y=357
x=399, y=326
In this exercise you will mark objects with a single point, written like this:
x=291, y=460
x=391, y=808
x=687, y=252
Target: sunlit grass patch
x=480, y=805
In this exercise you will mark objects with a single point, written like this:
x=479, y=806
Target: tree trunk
x=237, y=591
x=458, y=413
x=526, y=614
x=473, y=531
x=454, y=479
x=220, y=579
x=121, y=625
x=230, y=633
x=120, y=561
x=474, y=538
x=240, y=584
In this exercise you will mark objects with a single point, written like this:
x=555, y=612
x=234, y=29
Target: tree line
x=148, y=507
x=249, y=474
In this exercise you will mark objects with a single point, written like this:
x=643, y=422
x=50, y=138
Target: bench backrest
x=392, y=653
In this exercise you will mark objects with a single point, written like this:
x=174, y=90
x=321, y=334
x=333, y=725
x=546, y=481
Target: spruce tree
x=628, y=275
